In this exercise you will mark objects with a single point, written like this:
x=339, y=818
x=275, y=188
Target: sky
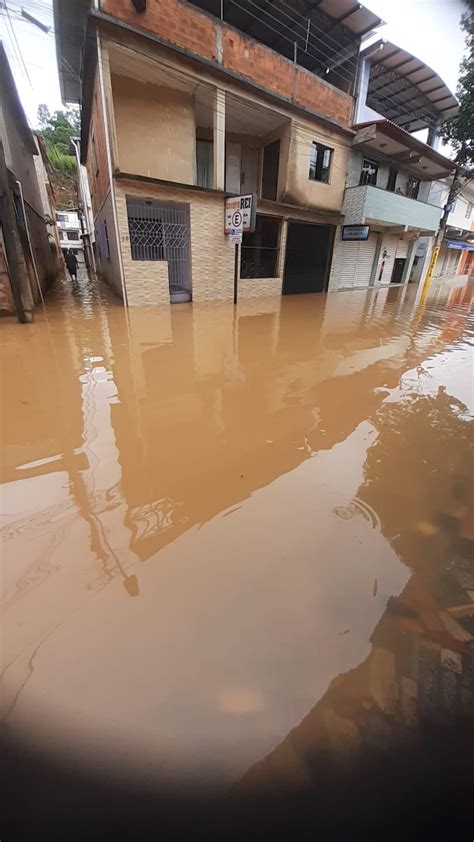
x=427, y=28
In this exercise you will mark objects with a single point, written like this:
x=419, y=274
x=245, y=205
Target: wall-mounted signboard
x=240, y=213
x=355, y=232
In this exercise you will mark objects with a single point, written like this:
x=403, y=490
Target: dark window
x=271, y=157
x=413, y=187
x=204, y=149
x=72, y=235
x=61, y=217
x=94, y=155
x=320, y=163
x=103, y=238
x=260, y=250
x=369, y=172
x=468, y=210
x=392, y=179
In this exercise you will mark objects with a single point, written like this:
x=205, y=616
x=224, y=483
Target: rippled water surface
x=218, y=522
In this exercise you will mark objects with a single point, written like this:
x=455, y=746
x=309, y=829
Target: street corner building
x=186, y=104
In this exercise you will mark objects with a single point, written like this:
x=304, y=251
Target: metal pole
x=453, y=192
x=8, y=222
x=32, y=255
x=236, y=271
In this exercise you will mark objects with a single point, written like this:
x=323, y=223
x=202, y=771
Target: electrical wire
x=347, y=78
x=296, y=23
x=18, y=46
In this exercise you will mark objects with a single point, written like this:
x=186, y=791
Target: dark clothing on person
x=71, y=263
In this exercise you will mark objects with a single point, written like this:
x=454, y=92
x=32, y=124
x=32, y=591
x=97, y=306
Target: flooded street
x=229, y=534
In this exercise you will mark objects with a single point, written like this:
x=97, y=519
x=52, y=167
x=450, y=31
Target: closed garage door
x=357, y=261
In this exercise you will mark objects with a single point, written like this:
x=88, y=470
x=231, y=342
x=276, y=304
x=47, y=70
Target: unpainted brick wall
x=182, y=24
x=97, y=165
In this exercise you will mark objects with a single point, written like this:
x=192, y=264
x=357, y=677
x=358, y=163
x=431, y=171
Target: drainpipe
x=27, y=229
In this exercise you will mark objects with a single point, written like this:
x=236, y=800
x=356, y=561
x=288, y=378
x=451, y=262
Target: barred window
x=320, y=162
x=146, y=231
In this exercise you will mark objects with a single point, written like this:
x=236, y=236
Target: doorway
x=308, y=253
x=161, y=231
x=398, y=268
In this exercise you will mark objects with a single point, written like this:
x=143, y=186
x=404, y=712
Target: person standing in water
x=71, y=263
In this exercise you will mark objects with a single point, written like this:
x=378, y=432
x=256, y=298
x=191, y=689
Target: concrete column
x=109, y=109
x=375, y=264
x=219, y=139
x=409, y=261
x=362, y=87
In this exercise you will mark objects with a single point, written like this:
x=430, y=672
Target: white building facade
x=69, y=228
x=392, y=209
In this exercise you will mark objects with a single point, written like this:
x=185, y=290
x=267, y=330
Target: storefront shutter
x=357, y=261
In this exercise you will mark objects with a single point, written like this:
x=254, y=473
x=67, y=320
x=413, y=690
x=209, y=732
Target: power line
x=303, y=26
x=346, y=76
x=19, y=48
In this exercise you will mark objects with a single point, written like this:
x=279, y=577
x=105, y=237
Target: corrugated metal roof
x=405, y=90
x=391, y=129
x=353, y=15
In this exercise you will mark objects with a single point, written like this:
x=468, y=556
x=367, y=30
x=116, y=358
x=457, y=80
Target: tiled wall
x=212, y=253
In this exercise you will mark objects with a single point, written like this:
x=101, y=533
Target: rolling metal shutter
x=402, y=248
x=357, y=261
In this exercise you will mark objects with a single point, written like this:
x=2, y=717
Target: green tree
x=57, y=129
x=459, y=129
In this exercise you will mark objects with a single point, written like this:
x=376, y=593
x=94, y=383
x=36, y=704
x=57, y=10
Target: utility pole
x=8, y=222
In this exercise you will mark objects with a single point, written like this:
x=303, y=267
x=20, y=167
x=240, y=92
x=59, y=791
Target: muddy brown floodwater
x=233, y=539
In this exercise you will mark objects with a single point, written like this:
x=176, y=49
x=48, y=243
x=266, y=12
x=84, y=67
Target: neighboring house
x=181, y=109
x=48, y=199
x=455, y=256
x=69, y=227
x=391, y=175
x=38, y=266
x=458, y=242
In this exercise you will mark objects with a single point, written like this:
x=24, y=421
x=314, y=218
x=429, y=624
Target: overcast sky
x=427, y=28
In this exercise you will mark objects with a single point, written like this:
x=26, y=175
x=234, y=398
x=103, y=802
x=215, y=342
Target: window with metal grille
x=320, y=162
x=72, y=235
x=413, y=187
x=368, y=174
x=146, y=231
x=260, y=249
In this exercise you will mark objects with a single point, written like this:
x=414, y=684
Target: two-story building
x=390, y=207
x=184, y=104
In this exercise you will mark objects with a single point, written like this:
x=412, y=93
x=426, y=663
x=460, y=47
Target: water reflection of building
x=258, y=398
x=415, y=690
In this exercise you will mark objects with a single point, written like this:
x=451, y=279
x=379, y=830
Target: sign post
x=240, y=212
